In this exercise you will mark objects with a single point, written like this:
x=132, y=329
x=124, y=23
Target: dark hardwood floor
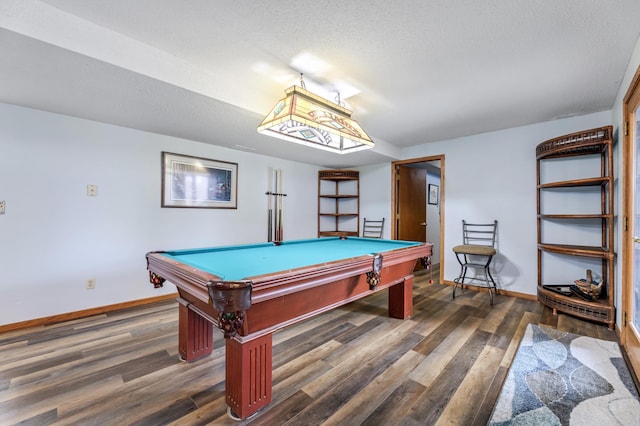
x=350, y=366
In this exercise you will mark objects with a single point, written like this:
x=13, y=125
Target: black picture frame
x=196, y=182
x=433, y=194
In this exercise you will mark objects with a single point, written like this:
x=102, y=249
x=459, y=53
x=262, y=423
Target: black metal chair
x=477, y=251
x=372, y=228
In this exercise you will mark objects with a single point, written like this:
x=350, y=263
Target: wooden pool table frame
x=278, y=300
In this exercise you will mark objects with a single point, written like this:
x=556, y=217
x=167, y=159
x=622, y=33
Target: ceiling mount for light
x=306, y=118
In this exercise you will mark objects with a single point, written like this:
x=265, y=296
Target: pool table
x=250, y=291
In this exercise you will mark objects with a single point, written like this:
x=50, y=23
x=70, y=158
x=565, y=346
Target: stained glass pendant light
x=306, y=118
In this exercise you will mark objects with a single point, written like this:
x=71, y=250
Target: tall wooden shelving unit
x=591, y=143
x=338, y=203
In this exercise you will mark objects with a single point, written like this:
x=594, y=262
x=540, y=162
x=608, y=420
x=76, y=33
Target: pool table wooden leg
x=195, y=333
x=248, y=375
x=401, y=299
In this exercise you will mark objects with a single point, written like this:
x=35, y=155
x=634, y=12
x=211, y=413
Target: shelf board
x=338, y=214
x=338, y=196
x=573, y=297
x=571, y=149
x=336, y=175
x=575, y=216
x=594, y=181
x=339, y=178
x=337, y=233
x=575, y=250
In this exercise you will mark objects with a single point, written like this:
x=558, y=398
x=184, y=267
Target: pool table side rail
x=398, y=244
x=281, y=283
x=181, y=275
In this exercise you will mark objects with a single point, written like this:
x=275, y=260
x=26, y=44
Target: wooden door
x=630, y=335
x=411, y=214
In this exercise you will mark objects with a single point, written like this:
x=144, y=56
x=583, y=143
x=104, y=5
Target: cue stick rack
x=275, y=195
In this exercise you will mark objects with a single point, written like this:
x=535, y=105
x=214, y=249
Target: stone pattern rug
x=559, y=378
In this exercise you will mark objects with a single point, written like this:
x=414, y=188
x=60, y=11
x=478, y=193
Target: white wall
x=375, y=195
x=493, y=176
x=54, y=237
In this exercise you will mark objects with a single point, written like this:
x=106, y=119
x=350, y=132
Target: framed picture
x=195, y=182
x=433, y=194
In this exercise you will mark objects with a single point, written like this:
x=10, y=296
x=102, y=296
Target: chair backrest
x=480, y=234
x=372, y=228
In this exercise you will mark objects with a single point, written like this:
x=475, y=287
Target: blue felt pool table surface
x=232, y=263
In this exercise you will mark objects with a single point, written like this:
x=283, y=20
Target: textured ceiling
x=412, y=71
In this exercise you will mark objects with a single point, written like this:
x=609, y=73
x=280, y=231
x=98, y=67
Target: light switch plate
x=92, y=190
x=1, y=206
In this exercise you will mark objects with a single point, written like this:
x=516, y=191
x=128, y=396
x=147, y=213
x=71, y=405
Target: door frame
x=627, y=339
x=394, y=200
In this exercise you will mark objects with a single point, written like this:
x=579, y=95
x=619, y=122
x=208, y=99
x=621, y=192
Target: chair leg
x=459, y=280
x=493, y=283
x=491, y=286
x=464, y=275
x=461, y=277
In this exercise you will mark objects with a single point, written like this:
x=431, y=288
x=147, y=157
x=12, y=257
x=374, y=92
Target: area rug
x=559, y=378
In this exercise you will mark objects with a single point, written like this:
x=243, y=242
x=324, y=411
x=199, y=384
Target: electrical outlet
x=92, y=190
x=1, y=206
x=91, y=283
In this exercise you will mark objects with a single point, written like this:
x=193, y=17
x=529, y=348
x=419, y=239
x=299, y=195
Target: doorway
x=630, y=335
x=418, y=203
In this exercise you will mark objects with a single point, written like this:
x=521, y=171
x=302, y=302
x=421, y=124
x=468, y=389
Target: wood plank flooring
x=351, y=366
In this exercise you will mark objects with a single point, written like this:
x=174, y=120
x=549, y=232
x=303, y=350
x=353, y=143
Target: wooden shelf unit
x=338, y=201
x=594, y=142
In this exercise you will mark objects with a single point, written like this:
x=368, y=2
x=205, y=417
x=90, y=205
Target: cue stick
x=280, y=206
x=274, y=194
x=275, y=200
x=270, y=207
